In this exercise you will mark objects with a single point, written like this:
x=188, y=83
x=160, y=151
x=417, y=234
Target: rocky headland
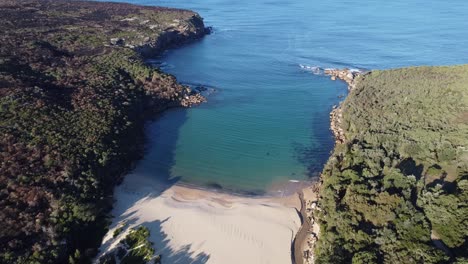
x=347, y=75
x=387, y=179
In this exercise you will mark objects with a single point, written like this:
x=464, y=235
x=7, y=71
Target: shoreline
x=190, y=224
x=350, y=77
x=278, y=190
x=191, y=219
x=173, y=212
x=309, y=232
x=140, y=202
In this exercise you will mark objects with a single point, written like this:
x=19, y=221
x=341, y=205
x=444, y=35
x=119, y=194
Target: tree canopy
x=396, y=190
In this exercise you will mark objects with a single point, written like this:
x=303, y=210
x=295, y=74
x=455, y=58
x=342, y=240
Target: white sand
x=197, y=226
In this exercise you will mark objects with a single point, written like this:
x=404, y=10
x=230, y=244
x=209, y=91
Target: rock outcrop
x=163, y=92
x=150, y=38
x=336, y=116
x=347, y=75
x=312, y=234
x=178, y=33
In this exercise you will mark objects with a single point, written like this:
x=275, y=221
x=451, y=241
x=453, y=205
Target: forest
x=74, y=94
x=396, y=191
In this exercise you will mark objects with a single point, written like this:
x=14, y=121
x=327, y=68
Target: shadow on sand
x=184, y=255
x=150, y=178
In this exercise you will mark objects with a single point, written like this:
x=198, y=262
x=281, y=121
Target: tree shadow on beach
x=182, y=255
x=148, y=180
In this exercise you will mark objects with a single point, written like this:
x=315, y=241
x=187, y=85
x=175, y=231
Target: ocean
x=266, y=126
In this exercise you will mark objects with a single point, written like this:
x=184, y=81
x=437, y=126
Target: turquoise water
x=268, y=122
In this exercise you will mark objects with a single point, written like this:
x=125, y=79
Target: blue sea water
x=268, y=121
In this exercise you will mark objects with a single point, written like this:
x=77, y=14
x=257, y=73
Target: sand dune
x=198, y=226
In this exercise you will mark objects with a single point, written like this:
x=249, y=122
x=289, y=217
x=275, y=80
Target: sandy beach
x=190, y=225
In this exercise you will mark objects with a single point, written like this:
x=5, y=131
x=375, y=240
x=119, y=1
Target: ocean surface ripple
x=267, y=124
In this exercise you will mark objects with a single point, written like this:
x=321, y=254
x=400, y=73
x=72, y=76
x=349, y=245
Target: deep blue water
x=268, y=122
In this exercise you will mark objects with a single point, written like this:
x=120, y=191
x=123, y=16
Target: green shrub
x=375, y=205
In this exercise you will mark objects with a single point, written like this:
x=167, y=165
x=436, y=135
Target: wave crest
x=314, y=69
x=317, y=70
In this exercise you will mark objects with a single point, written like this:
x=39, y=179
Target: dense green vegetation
x=135, y=248
x=72, y=107
x=396, y=190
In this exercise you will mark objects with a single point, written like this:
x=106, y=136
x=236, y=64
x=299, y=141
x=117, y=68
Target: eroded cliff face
x=151, y=39
x=182, y=32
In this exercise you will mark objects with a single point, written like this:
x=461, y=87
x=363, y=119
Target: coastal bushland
x=74, y=94
x=396, y=190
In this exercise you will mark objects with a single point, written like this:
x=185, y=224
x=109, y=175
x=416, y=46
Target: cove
x=268, y=121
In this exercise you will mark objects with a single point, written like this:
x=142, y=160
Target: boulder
x=117, y=41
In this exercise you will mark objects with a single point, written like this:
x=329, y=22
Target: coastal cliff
x=394, y=189
x=75, y=92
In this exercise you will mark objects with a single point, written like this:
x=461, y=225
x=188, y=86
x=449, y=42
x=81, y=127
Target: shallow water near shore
x=268, y=121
